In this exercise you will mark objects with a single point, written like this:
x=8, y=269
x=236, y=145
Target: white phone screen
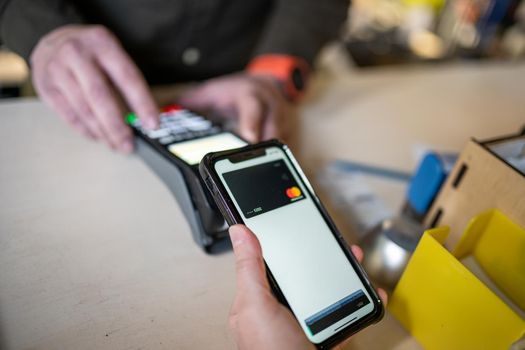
x=314, y=274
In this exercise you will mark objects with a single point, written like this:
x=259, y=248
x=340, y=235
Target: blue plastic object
x=428, y=179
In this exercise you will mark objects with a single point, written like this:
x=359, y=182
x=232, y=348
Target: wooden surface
x=487, y=183
x=94, y=252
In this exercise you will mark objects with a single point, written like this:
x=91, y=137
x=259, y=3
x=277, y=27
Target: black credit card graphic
x=263, y=187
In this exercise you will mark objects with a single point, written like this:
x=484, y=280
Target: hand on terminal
x=255, y=100
x=257, y=319
x=88, y=61
x=85, y=75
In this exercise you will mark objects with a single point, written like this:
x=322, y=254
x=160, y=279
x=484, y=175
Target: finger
x=383, y=295
x=126, y=77
x=272, y=122
x=358, y=252
x=102, y=101
x=275, y=106
x=59, y=103
x=251, y=114
x=249, y=263
x=72, y=91
x=269, y=128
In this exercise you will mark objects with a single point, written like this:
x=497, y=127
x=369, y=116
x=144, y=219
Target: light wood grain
x=487, y=183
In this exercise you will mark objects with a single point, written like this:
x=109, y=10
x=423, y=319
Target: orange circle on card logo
x=293, y=192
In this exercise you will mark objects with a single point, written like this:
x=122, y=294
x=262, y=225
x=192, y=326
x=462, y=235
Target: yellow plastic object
x=445, y=306
x=498, y=245
x=435, y=4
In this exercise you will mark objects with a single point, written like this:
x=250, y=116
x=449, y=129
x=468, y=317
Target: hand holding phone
x=310, y=268
x=257, y=319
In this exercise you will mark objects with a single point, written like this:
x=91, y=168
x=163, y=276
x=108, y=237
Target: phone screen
x=316, y=277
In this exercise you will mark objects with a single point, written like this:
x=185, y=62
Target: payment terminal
x=173, y=152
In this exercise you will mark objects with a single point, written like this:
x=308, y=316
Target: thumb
x=249, y=263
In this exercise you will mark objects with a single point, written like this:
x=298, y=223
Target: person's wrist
x=289, y=72
x=269, y=79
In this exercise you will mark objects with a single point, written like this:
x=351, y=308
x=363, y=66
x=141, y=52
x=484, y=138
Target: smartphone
x=309, y=265
x=182, y=139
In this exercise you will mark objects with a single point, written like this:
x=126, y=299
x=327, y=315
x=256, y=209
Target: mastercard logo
x=293, y=192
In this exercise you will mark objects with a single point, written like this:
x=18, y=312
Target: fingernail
x=236, y=235
x=251, y=136
x=126, y=147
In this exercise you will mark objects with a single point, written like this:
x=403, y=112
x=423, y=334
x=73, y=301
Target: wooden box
x=487, y=175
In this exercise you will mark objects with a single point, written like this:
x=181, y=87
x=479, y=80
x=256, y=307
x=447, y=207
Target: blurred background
x=381, y=32
x=392, y=32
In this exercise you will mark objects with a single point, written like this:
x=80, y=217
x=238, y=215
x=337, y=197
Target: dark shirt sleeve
x=24, y=22
x=302, y=27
